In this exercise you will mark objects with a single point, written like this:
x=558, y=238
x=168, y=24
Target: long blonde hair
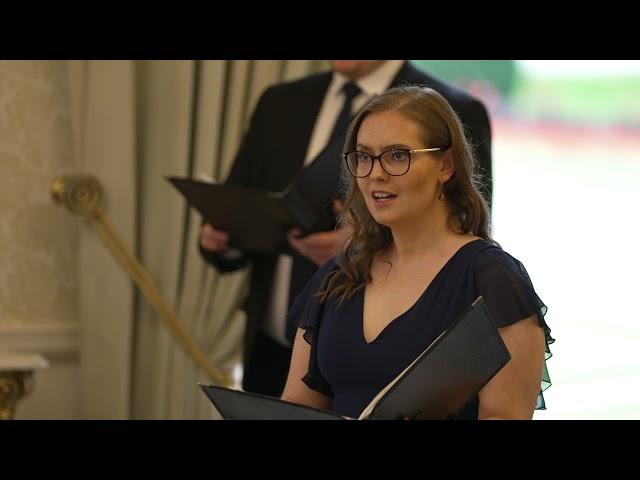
x=440, y=127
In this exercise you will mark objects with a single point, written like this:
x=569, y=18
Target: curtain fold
x=103, y=128
x=134, y=123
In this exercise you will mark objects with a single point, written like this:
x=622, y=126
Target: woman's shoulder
x=329, y=266
x=319, y=278
x=493, y=262
x=489, y=252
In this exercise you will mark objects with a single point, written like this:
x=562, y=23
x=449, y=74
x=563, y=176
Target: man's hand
x=317, y=247
x=213, y=239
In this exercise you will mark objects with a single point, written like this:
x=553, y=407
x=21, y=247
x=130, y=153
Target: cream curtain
x=103, y=129
x=134, y=123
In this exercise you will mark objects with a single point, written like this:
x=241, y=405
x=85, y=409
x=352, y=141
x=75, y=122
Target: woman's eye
x=399, y=155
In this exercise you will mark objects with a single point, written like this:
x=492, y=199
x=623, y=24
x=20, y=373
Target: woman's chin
x=386, y=220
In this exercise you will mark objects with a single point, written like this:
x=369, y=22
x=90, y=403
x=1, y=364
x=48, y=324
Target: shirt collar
x=372, y=84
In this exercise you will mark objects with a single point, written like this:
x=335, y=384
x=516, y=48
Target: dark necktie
x=350, y=91
x=303, y=269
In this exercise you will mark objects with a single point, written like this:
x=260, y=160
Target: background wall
x=38, y=241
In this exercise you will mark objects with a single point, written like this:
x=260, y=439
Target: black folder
x=436, y=385
x=239, y=405
x=257, y=220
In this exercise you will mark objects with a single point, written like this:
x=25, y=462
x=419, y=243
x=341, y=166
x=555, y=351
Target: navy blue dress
x=345, y=367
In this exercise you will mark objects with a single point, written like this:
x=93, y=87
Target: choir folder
x=257, y=220
x=436, y=385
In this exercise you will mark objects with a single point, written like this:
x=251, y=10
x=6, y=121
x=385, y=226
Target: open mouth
x=382, y=197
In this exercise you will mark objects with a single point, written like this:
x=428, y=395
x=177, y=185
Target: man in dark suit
x=293, y=125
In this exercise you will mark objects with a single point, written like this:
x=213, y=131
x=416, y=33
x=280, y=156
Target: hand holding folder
x=257, y=220
x=437, y=384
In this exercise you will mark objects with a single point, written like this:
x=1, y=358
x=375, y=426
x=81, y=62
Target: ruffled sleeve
x=306, y=312
x=509, y=295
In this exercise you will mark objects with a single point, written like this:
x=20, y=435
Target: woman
x=419, y=253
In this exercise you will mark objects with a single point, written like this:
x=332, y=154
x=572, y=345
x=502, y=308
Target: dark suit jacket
x=275, y=145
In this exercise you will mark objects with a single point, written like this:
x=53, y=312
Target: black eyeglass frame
x=379, y=158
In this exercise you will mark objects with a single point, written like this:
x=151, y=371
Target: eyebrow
x=385, y=147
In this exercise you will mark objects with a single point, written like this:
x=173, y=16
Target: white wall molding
x=54, y=342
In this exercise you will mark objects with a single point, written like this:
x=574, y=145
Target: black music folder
x=436, y=385
x=258, y=220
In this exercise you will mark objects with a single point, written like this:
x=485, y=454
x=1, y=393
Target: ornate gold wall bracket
x=13, y=386
x=83, y=195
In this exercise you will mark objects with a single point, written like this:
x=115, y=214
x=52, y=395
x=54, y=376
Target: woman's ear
x=447, y=168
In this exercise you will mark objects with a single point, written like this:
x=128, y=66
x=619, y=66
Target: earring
x=441, y=195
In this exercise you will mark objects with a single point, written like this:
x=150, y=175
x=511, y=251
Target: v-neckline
x=422, y=295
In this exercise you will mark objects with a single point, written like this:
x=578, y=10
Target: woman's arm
x=512, y=393
x=296, y=390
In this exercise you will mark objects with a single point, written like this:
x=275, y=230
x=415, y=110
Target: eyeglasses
x=395, y=162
